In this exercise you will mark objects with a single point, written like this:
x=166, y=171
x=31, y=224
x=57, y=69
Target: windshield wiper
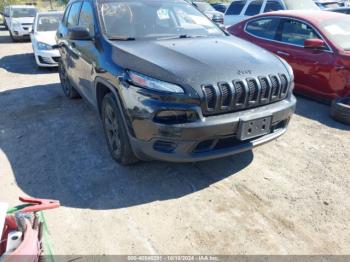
x=180, y=36
x=121, y=38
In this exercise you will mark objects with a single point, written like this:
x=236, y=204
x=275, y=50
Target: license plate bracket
x=253, y=128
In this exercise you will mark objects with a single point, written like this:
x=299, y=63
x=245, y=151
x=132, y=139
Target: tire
x=115, y=131
x=68, y=90
x=14, y=39
x=340, y=110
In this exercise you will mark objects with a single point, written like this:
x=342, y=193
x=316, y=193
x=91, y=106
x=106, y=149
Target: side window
x=65, y=16
x=235, y=8
x=295, y=32
x=264, y=28
x=254, y=8
x=86, y=18
x=273, y=6
x=73, y=15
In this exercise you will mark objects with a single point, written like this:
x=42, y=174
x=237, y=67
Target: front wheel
x=116, y=132
x=13, y=38
x=340, y=110
x=66, y=85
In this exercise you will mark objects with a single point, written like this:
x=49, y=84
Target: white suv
x=19, y=20
x=243, y=9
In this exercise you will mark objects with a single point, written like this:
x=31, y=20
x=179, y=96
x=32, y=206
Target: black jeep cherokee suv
x=168, y=83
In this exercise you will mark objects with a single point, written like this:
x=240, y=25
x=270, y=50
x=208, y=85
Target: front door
x=88, y=52
x=312, y=68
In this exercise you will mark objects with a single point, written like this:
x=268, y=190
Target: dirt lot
x=288, y=197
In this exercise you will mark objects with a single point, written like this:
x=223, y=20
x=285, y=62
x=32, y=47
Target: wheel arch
x=104, y=87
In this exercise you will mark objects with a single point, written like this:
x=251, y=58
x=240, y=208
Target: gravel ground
x=290, y=196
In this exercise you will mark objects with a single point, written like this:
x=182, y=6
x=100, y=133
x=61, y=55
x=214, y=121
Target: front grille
x=264, y=84
x=45, y=60
x=56, y=58
x=210, y=96
x=241, y=94
x=253, y=90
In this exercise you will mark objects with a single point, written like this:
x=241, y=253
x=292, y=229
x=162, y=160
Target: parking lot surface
x=290, y=196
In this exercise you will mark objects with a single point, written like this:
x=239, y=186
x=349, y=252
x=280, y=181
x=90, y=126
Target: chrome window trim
x=329, y=49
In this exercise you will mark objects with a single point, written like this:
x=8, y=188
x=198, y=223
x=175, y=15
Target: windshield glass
x=154, y=19
x=204, y=7
x=23, y=12
x=301, y=5
x=48, y=22
x=338, y=30
x=332, y=5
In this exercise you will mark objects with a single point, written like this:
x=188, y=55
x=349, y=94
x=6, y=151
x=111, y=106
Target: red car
x=315, y=43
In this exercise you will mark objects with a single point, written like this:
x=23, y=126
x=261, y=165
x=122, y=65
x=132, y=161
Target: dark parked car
x=315, y=43
x=325, y=4
x=168, y=83
x=209, y=11
x=220, y=7
x=343, y=10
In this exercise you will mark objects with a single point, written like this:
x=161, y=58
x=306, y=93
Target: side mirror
x=314, y=43
x=79, y=33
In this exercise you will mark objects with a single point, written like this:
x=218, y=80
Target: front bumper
x=207, y=138
x=21, y=31
x=47, y=58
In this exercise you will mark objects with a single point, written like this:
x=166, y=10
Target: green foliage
x=3, y=3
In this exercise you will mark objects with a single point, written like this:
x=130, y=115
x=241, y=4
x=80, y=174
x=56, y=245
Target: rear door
x=263, y=31
x=234, y=11
x=253, y=8
x=273, y=5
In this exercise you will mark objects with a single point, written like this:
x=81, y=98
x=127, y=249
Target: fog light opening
x=175, y=117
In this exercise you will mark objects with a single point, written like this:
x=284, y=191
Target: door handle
x=283, y=53
x=339, y=67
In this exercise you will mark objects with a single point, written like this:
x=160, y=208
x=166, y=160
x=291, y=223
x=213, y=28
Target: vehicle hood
x=194, y=62
x=213, y=13
x=46, y=37
x=23, y=20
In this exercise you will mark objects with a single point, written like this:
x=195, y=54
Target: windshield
x=338, y=30
x=23, y=12
x=47, y=23
x=204, y=7
x=301, y=5
x=135, y=19
x=331, y=5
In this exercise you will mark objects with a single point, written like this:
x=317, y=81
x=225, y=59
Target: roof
x=50, y=12
x=308, y=15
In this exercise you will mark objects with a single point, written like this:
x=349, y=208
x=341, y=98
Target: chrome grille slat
x=253, y=90
x=239, y=90
x=226, y=94
x=244, y=93
x=209, y=93
x=265, y=88
x=284, y=85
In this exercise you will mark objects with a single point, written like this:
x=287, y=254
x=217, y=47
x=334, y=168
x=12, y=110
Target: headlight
x=43, y=46
x=16, y=24
x=153, y=84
